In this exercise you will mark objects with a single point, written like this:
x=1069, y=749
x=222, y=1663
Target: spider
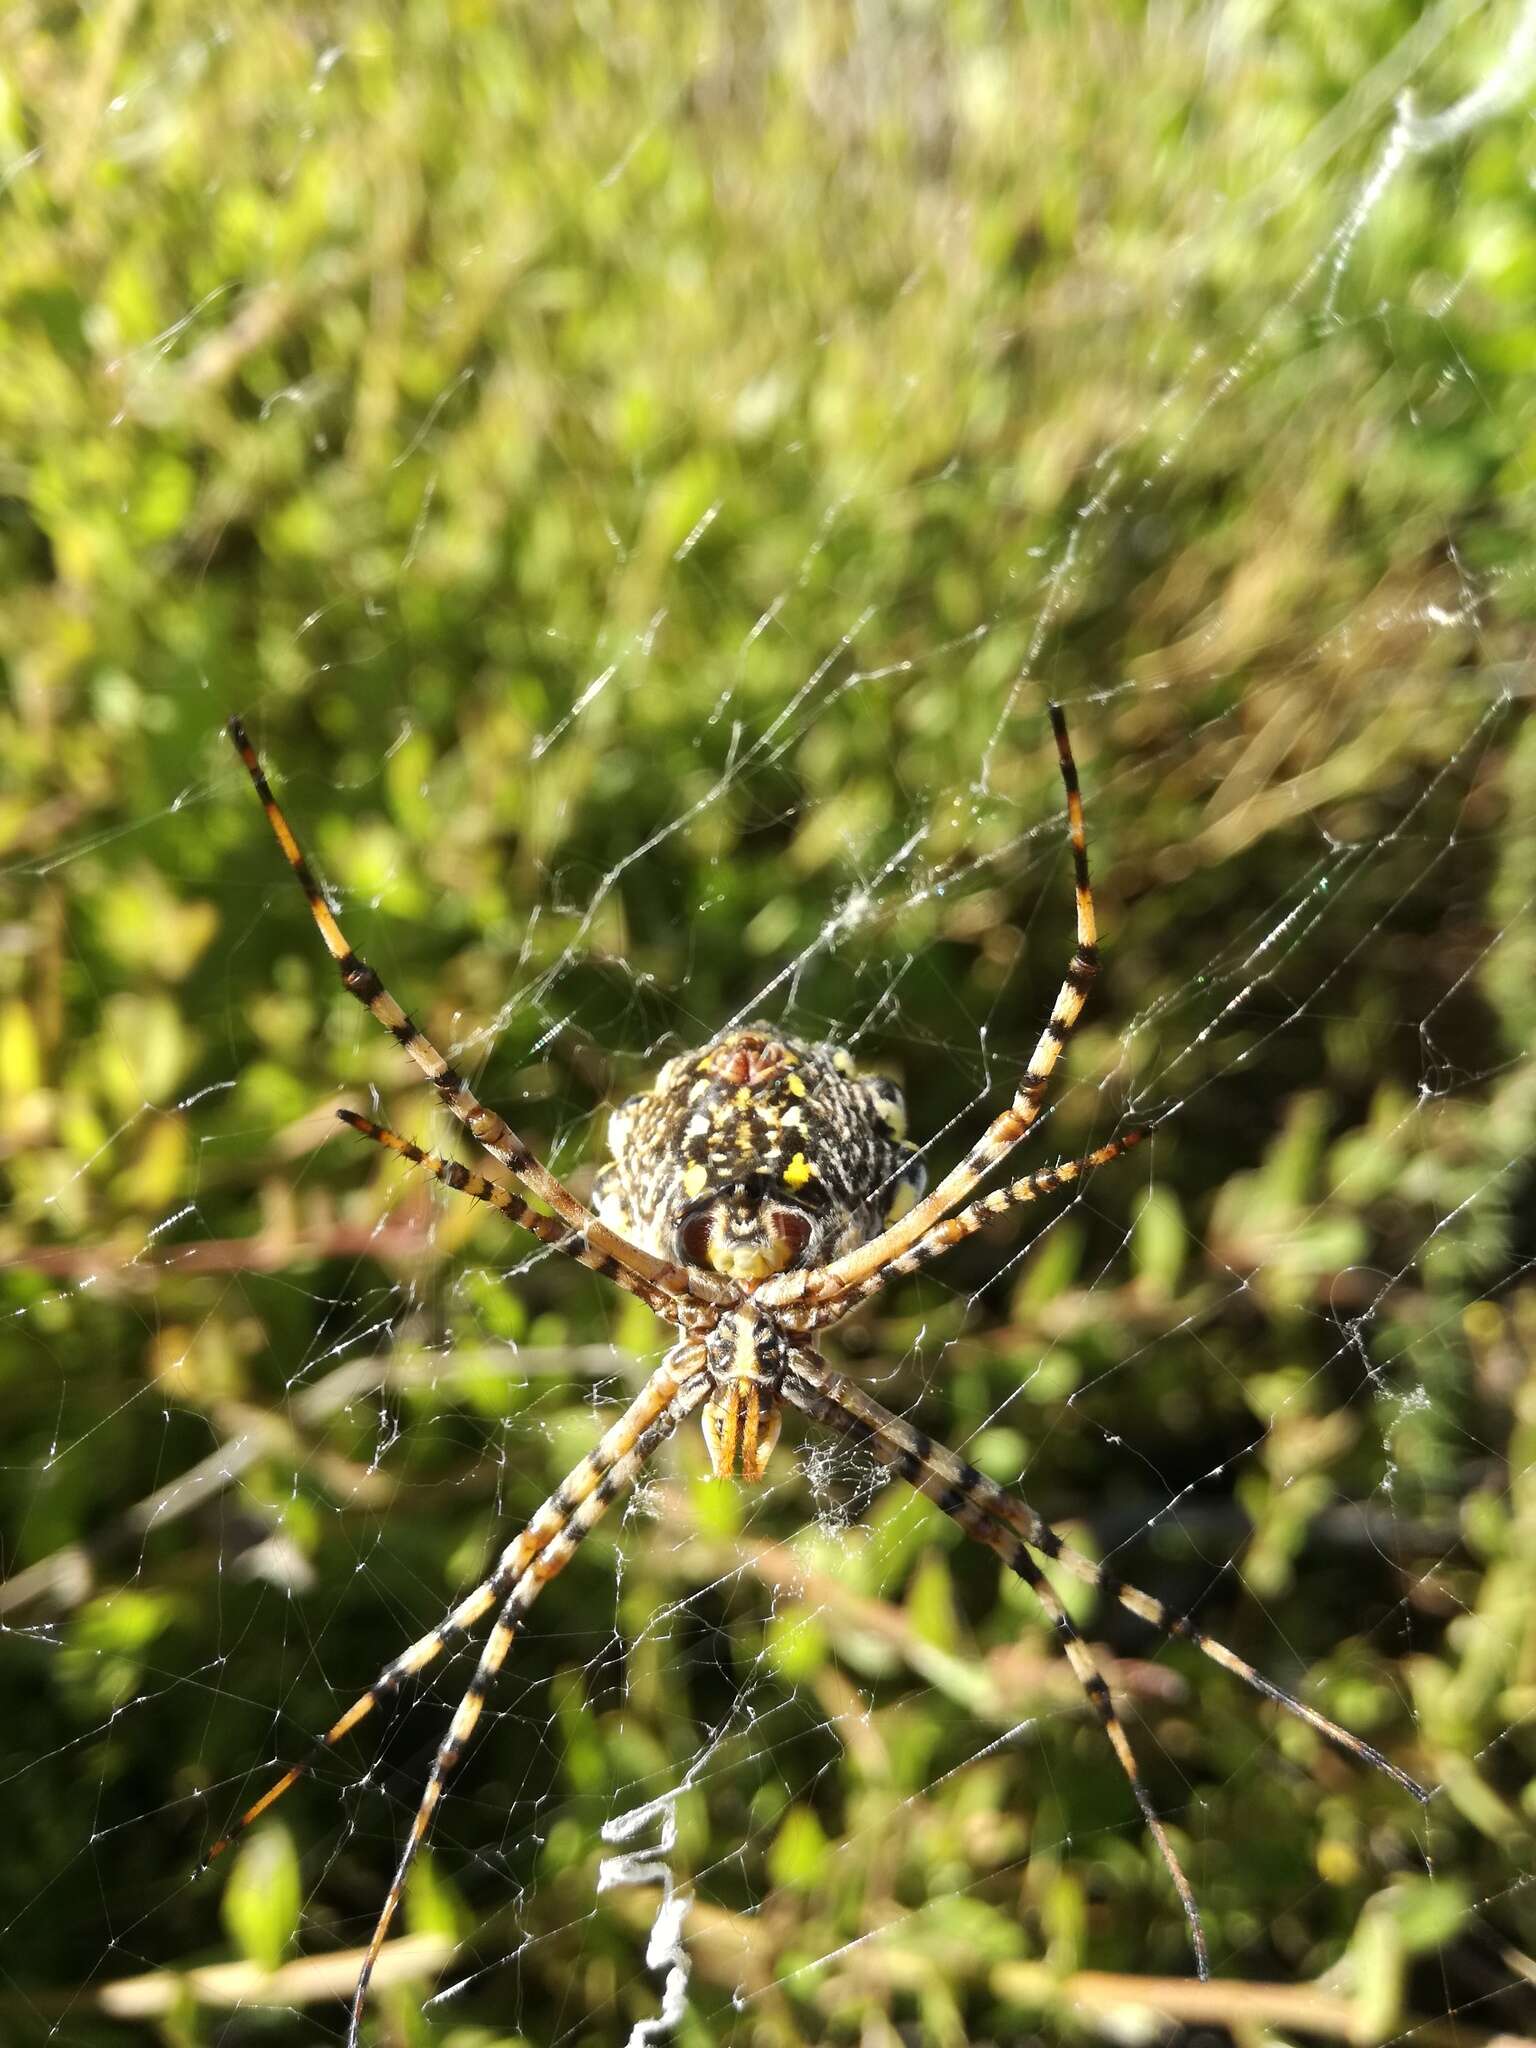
x=757, y=1194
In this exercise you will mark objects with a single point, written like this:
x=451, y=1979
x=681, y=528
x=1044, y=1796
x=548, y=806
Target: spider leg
x=557, y=1235
x=1046, y=1180
x=484, y=1125
x=674, y=1379
x=550, y=1560
x=965, y=1507
x=950, y=1482
x=822, y=1283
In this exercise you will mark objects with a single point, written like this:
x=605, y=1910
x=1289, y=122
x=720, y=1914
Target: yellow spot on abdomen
x=892, y=1110
x=798, y=1171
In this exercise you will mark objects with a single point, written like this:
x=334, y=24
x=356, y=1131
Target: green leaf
x=799, y=1853
x=263, y=1896
x=431, y=1905
x=930, y=1603
x=1050, y=1269
x=1429, y=1911
x=796, y=1643
x=1158, y=1243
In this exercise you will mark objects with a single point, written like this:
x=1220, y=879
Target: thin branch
x=108, y=1267
x=990, y=1687
x=68, y=1575
x=307, y=1981
x=1231, y=2003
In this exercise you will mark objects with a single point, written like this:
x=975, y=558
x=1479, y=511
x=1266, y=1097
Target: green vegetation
x=621, y=461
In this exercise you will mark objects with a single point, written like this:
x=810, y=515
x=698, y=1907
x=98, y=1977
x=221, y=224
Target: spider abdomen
x=758, y=1153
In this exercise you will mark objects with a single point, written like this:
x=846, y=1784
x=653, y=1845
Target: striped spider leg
x=538, y=1554
x=757, y=1193
x=1021, y=1538
x=556, y=1554
x=488, y=1129
x=863, y=1261
x=987, y=1513
x=1045, y=1180
x=558, y=1236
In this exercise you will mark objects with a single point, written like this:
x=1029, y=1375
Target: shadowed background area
x=640, y=471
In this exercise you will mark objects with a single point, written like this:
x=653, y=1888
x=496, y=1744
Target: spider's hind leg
x=489, y=1130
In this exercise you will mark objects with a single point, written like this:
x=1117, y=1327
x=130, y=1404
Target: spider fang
x=744, y=1358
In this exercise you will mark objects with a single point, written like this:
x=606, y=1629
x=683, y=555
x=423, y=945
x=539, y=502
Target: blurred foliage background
x=640, y=469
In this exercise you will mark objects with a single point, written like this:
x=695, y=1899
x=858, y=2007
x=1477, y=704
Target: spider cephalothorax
x=758, y=1193
x=758, y=1153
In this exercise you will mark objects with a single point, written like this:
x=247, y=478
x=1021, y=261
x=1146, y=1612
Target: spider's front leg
x=576, y=1524
x=1022, y=1539
x=600, y=1475
x=968, y=1499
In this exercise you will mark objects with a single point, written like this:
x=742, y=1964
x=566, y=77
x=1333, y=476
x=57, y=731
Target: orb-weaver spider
x=757, y=1194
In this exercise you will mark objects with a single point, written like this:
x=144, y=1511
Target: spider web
x=643, y=554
